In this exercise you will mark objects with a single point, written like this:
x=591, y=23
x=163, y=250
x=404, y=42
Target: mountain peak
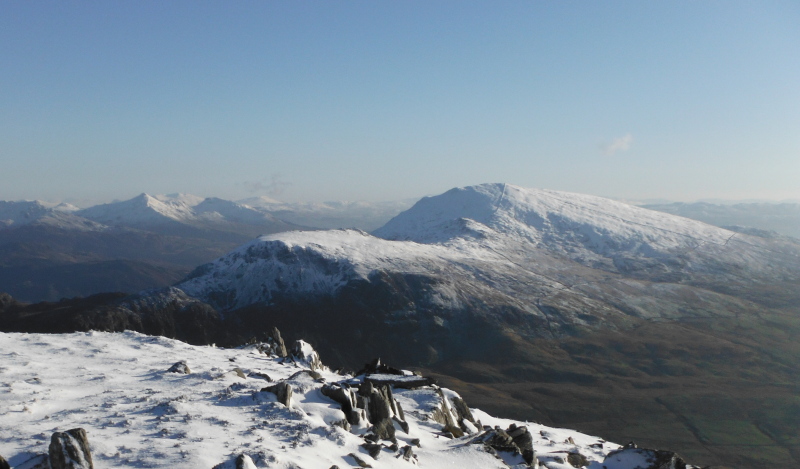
x=546, y=217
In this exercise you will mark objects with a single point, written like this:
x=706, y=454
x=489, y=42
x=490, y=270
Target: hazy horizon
x=679, y=101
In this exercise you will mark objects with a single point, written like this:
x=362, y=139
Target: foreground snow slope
x=137, y=414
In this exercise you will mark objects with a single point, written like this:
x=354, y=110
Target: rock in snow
x=113, y=386
x=70, y=450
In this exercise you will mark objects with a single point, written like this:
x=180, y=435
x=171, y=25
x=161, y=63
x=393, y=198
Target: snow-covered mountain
x=143, y=209
x=332, y=215
x=177, y=213
x=504, y=245
x=155, y=402
x=16, y=214
x=215, y=209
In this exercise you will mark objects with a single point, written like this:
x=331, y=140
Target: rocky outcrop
x=3, y=462
x=515, y=440
x=631, y=455
x=363, y=402
x=304, y=354
x=70, y=450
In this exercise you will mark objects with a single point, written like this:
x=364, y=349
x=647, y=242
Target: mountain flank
x=575, y=308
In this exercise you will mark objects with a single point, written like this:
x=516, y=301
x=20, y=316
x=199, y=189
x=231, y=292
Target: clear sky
x=349, y=100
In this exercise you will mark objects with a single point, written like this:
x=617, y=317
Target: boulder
x=408, y=454
x=282, y=391
x=380, y=413
x=346, y=398
x=522, y=438
x=373, y=449
x=576, y=459
x=180, y=367
x=359, y=461
x=70, y=450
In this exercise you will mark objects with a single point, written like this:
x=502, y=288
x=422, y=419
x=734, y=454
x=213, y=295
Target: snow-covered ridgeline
x=15, y=214
x=316, y=262
x=138, y=414
x=549, y=217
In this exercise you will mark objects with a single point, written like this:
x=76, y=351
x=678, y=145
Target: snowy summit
x=154, y=402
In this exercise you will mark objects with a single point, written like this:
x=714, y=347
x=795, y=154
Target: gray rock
x=373, y=449
x=277, y=340
x=359, y=461
x=380, y=413
x=70, y=450
x=257, y=375
x=462, y=410
x=408, y=454
x=346, y=398
x=522, y=438
x=342, y=423
x=576, y=459
x=180, y=367
x=310, y=373
x=282, y=391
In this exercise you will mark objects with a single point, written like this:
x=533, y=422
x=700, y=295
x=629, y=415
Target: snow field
x=116, y=386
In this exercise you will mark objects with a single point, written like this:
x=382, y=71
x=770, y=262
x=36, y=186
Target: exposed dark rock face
x=70, y=450
x=283, y=391
x=3, y=462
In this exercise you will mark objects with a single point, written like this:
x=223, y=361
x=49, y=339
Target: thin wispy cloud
x=618, y=144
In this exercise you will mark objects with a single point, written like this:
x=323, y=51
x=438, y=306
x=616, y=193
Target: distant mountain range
x=578, y=310
x=782, y=218
x=51, y=251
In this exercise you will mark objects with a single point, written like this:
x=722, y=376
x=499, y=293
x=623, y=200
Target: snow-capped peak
x=143, y=208
x=547, y=217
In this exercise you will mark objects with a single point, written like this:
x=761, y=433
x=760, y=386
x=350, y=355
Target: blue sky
x=388, y=100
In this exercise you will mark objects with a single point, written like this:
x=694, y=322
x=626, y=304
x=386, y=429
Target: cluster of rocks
x=655, y=458
x=515, y=439
x=68, y=450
